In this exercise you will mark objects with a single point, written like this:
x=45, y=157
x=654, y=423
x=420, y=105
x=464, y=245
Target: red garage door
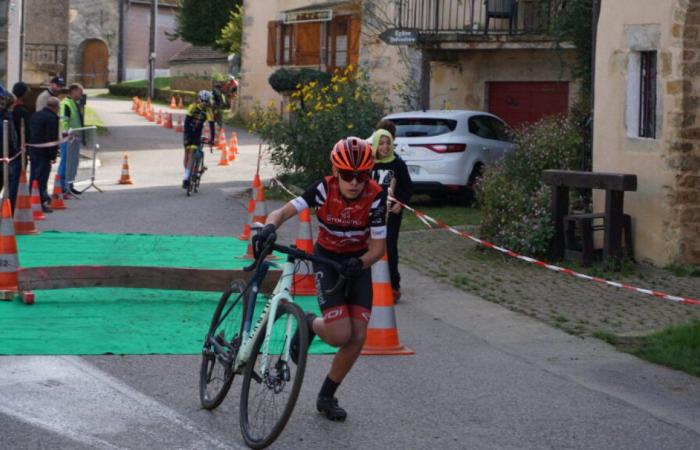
x=522, y=103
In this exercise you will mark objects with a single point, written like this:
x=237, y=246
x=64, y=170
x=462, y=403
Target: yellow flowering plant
x=320, y=114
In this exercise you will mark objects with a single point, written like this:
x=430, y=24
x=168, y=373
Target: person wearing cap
x=71, y=118
x=55, y=86
x=6, y=101
x=20, y=112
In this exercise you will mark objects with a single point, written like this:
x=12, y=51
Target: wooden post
x=560, y=208
x=612, y=245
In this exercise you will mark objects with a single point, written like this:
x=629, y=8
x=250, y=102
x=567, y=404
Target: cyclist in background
x=219, y=103
x=198, y=114
x=351, y=210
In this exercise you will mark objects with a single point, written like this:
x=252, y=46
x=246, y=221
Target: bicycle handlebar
x=269, y=246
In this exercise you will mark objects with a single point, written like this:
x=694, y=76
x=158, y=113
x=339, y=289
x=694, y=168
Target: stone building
x=458, y=54
x=647, y=120
x=93, y=42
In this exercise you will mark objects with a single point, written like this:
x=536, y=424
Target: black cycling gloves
x=351, y=267
x=266, y=233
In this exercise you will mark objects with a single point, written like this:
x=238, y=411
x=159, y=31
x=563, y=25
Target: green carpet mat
x=119, y=320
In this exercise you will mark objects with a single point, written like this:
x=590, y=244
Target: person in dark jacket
x=391, y=173
x=44, y=128
x=20, y=113
x=6, y=101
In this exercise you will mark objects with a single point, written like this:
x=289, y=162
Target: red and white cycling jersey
x=345, y=225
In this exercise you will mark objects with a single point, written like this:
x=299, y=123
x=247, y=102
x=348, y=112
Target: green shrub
x=320, y=115
x=515, y=202
x=286, y=80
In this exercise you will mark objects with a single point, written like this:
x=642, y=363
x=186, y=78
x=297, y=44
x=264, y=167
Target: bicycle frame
x=281, y=292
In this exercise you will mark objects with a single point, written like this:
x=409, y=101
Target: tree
x=199, y=22
x=231, y=36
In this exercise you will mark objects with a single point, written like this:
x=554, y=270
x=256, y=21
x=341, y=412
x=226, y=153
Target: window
x=328, y=44
x=423, y=127
x=647, y=95
x=488, y=127
x=640, y=108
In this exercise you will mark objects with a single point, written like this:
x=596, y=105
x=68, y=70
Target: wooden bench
x=614, y=185
x=586, y=224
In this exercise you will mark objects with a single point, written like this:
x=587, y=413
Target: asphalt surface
x=482, y=377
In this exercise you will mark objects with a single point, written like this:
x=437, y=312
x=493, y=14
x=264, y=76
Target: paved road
x=482, y=377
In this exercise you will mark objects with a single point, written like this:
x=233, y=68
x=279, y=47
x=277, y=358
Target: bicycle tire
x=199, y=164
x=191, y=178
x=273, y=384
x=212, y=398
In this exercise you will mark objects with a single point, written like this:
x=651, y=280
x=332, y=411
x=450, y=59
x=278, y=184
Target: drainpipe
x=152, y=50
x=120, y=59
x=595, y=18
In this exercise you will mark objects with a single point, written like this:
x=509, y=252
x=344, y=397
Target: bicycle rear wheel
x=198, y=166
x=192, y=178
x=267, y=399
x=221, y=346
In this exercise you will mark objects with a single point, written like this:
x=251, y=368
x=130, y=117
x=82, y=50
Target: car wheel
x=469, y=194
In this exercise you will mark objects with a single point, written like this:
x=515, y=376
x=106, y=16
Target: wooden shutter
x=307, y=44
x=354, y=40
x=272, y=43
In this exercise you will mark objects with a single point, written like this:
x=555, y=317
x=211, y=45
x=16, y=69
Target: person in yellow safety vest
x=71, y=118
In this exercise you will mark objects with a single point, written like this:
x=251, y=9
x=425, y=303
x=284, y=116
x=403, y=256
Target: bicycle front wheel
x=198, y=166
x=221, y=346
x=271, y=385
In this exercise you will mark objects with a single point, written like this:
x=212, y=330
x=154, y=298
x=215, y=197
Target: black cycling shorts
x=335, y=306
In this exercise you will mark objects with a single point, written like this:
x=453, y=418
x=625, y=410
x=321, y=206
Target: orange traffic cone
x=57, y=197
x=382, y=335
x=24, y=220
x=125, y=178
x=169, y=121
x=304, y=279
x=179, y=104
x=37, y=212
x=9, y=278
x=159, y=117
x=178, y=127
x=222, y=139
x=246, y=228
x=223, y=161
x=134, y=103
x=173, y=105
x=233, y=147
x=260, y=213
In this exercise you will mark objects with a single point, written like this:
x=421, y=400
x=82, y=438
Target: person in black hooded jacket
x=390, y=172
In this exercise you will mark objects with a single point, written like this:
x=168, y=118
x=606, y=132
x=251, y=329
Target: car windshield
x=423, y=127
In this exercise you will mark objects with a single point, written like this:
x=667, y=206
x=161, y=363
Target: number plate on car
x=413, y=170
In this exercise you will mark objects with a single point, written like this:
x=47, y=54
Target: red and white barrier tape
x=427, y=220
x=69, y=137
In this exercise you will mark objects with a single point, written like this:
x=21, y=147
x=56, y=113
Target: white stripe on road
x=73, y=398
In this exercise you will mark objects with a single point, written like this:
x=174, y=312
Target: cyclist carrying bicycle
x=219, y=103
x=351, y=210
x=197, y=115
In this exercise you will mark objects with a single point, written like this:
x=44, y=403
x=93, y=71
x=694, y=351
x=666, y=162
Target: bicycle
x=196, y=169
x=260, y=349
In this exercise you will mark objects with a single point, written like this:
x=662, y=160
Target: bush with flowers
x=514, y=201
x=320, y=114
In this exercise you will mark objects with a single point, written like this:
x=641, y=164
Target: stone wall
x=683, y=149
x=46, y=35
x=90, y=19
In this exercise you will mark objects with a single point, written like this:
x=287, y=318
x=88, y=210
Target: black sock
x=328, y=389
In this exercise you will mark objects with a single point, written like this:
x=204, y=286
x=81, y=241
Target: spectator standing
x=43, y=129
x=20, y=112
x=390, y=172
x=71, y=118
x=6, y=101
x=55, y=86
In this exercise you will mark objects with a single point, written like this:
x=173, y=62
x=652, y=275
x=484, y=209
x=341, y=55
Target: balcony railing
x=477, y=17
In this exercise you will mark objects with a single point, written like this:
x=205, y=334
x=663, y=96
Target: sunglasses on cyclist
x=349, y=175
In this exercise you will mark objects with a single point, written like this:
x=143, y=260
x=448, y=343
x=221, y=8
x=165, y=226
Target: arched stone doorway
x=94, y=64
x=683, y=147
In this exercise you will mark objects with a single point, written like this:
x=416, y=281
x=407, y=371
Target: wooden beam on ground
x=171, y=278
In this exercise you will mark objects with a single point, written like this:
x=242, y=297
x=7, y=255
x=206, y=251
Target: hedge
x=160, y=94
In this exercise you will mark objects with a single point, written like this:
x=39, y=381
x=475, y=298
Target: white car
x=445, y=150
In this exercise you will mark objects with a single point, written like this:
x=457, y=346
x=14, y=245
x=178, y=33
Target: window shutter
x=271, y=43
x=307, y=44
x=354, y=40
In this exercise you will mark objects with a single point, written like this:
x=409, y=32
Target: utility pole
x=152, y=50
